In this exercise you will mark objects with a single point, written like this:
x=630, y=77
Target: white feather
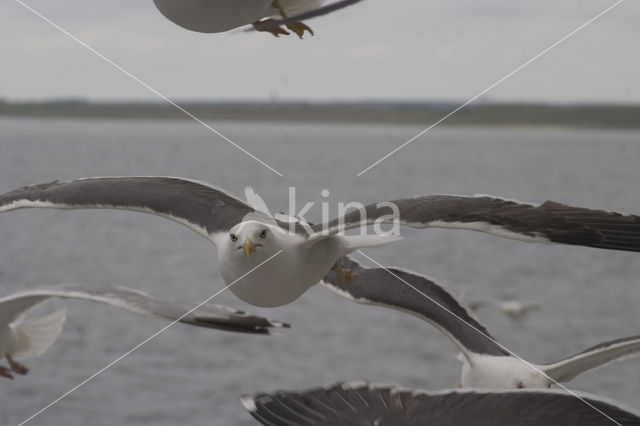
x=35, y=336
x=256, y=201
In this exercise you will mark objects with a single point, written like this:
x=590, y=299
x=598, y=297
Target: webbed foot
x=276, y=30
x=5, y=372
x=299, y=28
x=16, y=367
x=346, y=275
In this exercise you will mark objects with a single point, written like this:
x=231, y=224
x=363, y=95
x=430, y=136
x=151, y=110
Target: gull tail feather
x=355, y=242
x=37, y=335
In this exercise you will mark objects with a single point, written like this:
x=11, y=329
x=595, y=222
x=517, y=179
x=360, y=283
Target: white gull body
x=299, y=265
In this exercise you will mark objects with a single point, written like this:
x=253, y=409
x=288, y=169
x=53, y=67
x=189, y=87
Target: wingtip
x=277, y=328
x=249, y=403
x=280, y=324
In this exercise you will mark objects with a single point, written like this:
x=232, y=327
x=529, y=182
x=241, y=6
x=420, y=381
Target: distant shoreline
x=417, y=113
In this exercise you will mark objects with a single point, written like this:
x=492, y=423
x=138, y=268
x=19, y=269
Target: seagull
x=485, y=362
x=362, y=403
x=214, y=16
x=21, y=338
x=514, y=309
x=290, y=255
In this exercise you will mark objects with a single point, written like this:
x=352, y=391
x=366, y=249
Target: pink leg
x=16, y=367
x=5, y=372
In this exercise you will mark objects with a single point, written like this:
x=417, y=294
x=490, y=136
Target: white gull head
x=270, y=266
x=274, y=282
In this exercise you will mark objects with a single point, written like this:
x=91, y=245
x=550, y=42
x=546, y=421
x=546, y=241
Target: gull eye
x=233, y=237
x=263, y=234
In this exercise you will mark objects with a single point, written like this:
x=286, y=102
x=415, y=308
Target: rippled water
x=195, y=376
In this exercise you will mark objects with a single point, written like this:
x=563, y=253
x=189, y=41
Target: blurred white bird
x=514, y=309
x=31, y=338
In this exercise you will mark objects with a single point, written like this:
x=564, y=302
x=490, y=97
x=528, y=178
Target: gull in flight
x=485, y=362
x=296, y=254
x=20, y=338
x=514, y=309
x=213, y=16
x=365, y=404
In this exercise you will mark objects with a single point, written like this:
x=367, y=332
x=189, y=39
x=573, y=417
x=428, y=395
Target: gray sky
x=377, y=49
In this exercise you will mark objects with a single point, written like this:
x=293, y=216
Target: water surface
x=195, y=376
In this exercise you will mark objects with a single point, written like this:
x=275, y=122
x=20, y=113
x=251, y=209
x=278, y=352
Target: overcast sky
x=377, y=49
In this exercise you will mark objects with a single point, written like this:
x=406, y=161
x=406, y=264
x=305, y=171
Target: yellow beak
x=249, y=247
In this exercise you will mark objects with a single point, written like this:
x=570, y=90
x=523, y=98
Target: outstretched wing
x=360, y=404
x=324, y=10
x=207, y=315
x=548, y=222
x=200, y=207
x=594, y=357
x=419, y=296
x=12, y=307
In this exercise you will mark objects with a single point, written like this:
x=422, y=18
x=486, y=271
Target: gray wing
x=360, y=404
x=200, y=207
x=324, y=10
x=548, y=222
x=12, y=308
x=594, y=357
x=207, y=315
x=419, y=296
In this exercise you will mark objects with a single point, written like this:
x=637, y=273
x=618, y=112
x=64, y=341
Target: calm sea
x=195, y=376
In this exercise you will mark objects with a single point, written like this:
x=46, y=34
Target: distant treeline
x=419, y=113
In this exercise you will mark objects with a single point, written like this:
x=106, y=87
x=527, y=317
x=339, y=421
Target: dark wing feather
x=203, y=208
x=548, y=222
x=407, y=407
x=419, y=296
x=207, y=315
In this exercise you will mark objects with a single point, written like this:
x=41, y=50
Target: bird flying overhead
x=486, y=363
x=273, y=260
